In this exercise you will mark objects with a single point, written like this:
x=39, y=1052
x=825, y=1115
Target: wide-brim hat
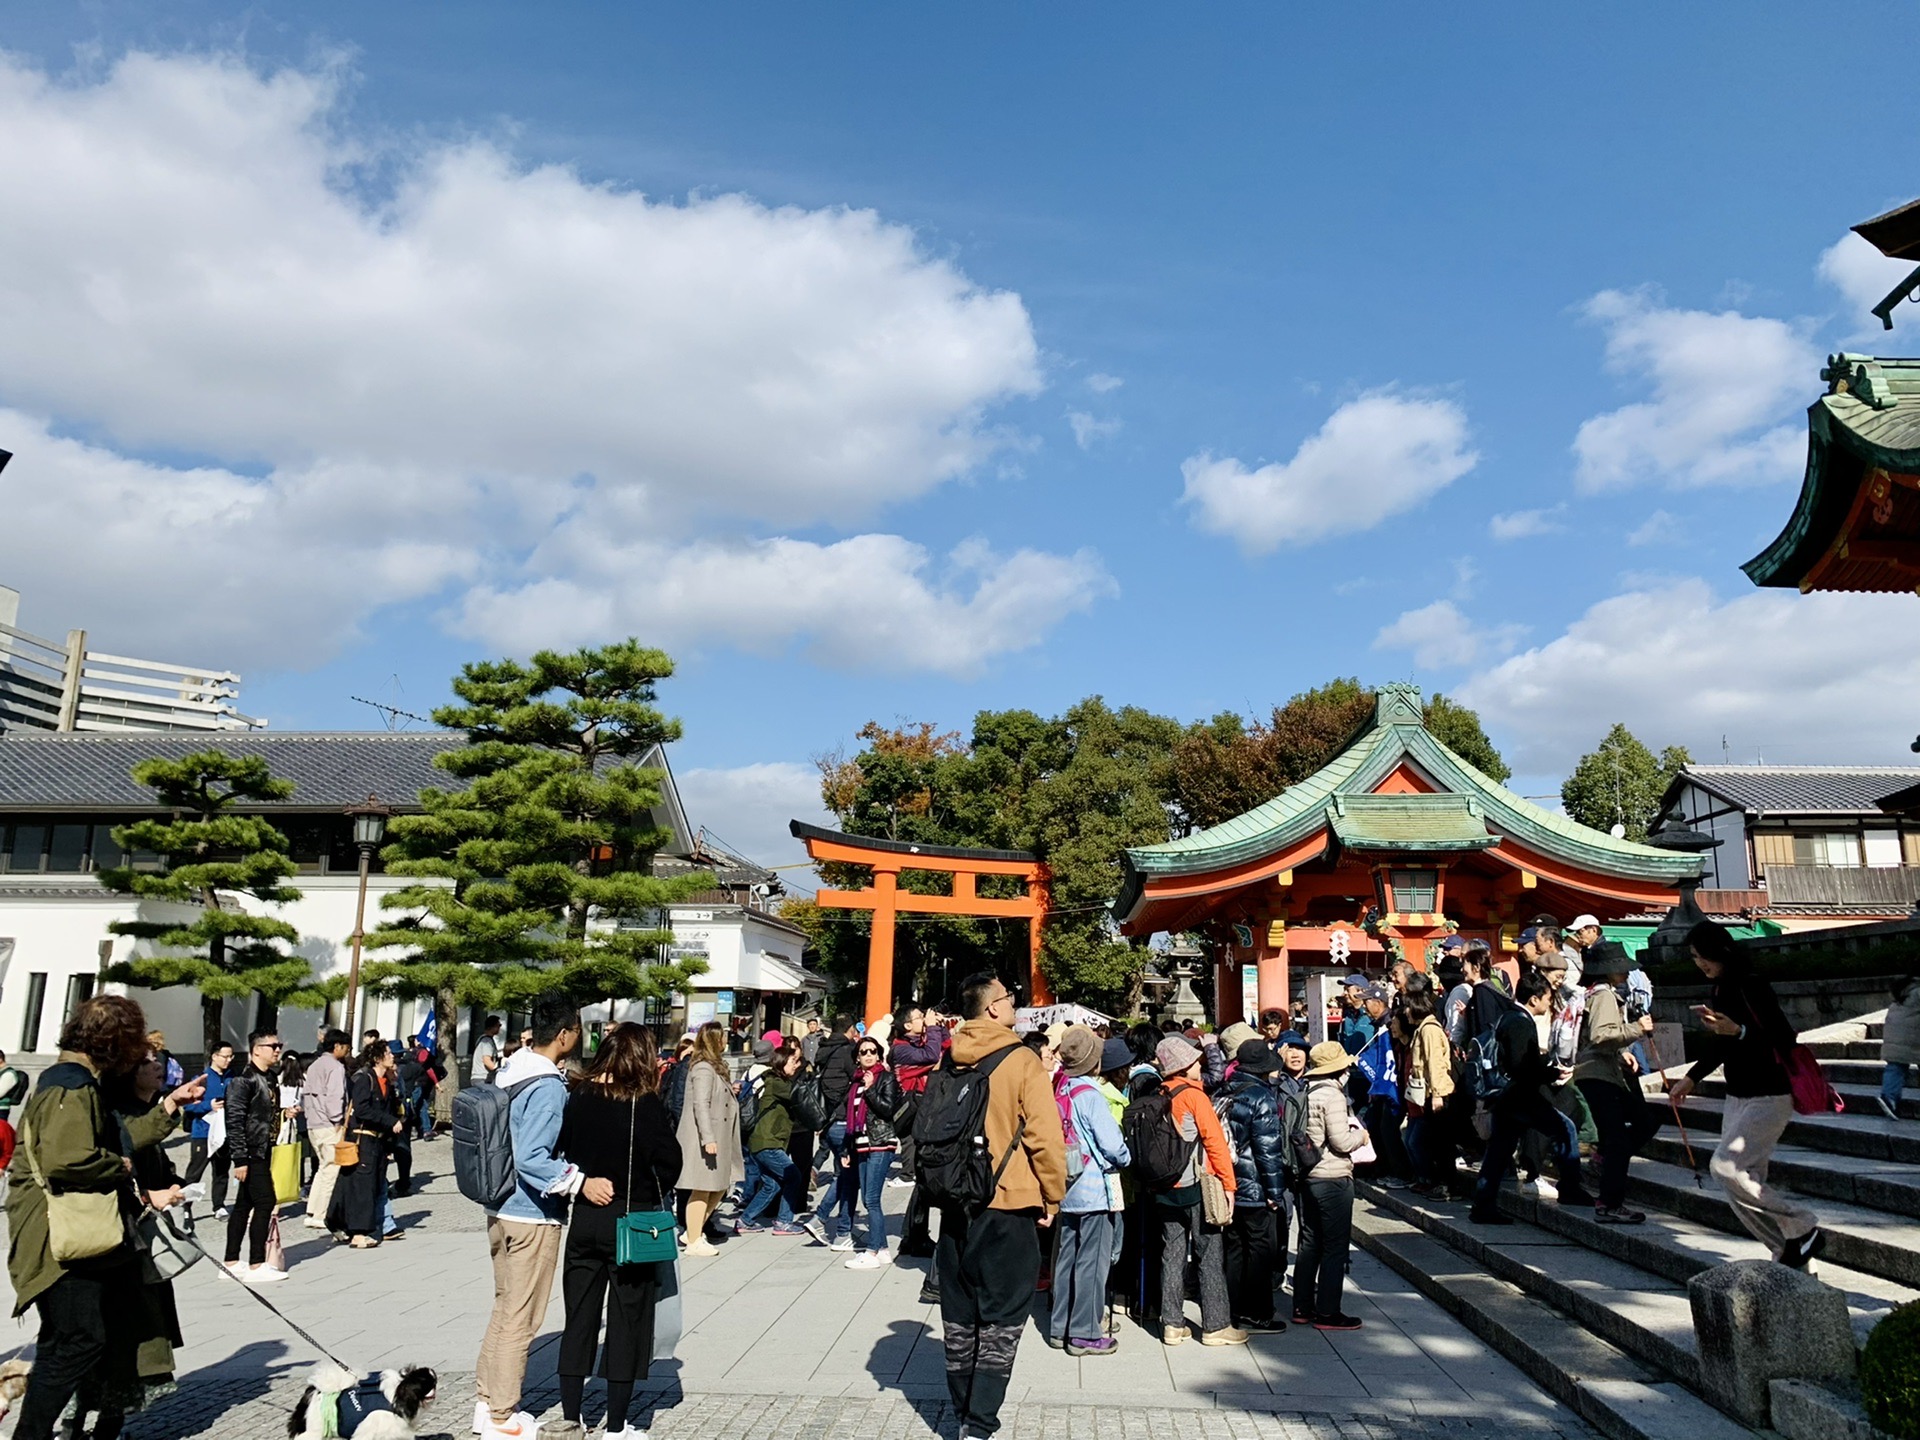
x=1175, y=1055
x=1079, y=1050
x=1329, y=1057
x=1116, y=1054
x=1236, y=1035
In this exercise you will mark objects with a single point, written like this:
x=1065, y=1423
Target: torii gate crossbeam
x=885, y=898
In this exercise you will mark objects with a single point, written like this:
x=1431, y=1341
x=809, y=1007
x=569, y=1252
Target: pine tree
x=552, y=830
x=213, y=855
x=1620, y=783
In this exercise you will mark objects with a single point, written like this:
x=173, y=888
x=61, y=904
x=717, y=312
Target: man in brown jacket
x=989, y=1262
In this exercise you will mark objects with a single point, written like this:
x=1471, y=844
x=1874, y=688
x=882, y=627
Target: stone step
x=1845, y=1049
x=1620, y=1395
x=1866, y=1073
x=1664, y=1254
x=1872, y=1241
x=1873, y=1184
x=1859, y=1093
x=1857, y=1132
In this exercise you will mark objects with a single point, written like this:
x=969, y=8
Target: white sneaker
x=870, y=1260
x=222, y=1213
x=520, y=1426
x=899, y=1182
x=262, y=1275
x=479, y=1416
x=625, y=1432
x=844, y=1242
x=701, y=1247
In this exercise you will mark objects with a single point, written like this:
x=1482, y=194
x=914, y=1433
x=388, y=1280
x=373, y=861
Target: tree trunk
x=448, y=1045
x=210, y=1036
x=266, y=1015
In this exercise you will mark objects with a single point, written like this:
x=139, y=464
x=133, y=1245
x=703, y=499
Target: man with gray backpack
x=503, y=1158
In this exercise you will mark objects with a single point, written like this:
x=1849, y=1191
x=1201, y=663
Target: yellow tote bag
x=286, y=1166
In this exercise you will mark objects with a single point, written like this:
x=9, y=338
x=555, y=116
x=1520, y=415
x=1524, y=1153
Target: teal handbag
x=643, y=1237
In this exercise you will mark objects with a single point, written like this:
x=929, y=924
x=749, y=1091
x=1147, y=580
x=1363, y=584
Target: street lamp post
x=369, y=829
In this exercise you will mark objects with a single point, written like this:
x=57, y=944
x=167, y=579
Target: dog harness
x=343, y=1413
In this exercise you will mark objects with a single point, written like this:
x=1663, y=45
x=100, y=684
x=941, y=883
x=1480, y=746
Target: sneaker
x=562, y=1429
x=394, y=1234
x=262, y=1275
x=810, y=1223
x=1229, y=1336
x=518, y=1426
x=1054, y=1342
x=1797, y=1253
x=1272, y=1325
x=1336, y=1322
x=625, y=1432
x=314, y=1222
x=788, y=1230
x=479, y=1416
x=1173, y=1335
x=1892, y=1112
x=222, y=1213
x=1105, y=1345
x=748, y=1227
x=841, y=1242
x=899, y=1182
x=1394, y=1182
x=1618, y=1215
x=702, y=1247
x=1543, y=1187
x=870, y=1260
x=1302, y=1317
x=1426, y=1191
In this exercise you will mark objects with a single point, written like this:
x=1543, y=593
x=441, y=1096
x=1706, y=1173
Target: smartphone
x=1701, y=1009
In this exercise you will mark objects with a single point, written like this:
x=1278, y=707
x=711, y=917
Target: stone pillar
x=1757, y=1322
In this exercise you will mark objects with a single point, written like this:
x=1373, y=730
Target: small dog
x=385, y=1406
x=13, y=1384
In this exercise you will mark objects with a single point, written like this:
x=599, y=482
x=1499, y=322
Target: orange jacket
x=1189, y=1098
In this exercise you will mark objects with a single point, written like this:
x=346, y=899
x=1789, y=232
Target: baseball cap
x=1378, y=992
x=1581, y=922
x=1529, y=935
x=1454, y=943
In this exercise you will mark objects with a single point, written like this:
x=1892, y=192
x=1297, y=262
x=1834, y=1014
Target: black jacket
x=885, y=1102
x=253, y=1117
x=836, y=1067
x=1753, y=1058
x=1520, y=1056
x=373, y=1113
x=1259, y=1160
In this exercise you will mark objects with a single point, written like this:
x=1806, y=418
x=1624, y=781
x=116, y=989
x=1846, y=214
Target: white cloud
x=1086, y=429
x=1101, y=384
x=747, y=808
x=1526, y=524
x=1441, y=635
x=871, y=601
x=1863, y=276
x=435, y=382
x=1659, y=528
x=1375, y=457
x=1726, y=391
x=1796, y=678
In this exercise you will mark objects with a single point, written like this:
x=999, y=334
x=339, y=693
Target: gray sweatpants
x=1749, y=1129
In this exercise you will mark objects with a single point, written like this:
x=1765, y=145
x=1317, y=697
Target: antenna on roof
x=391, y=714
x=1726, y=751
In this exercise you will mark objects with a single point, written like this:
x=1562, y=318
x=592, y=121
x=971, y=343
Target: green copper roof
x=1409, y=822
x=1870, y=418
x=1432, y=822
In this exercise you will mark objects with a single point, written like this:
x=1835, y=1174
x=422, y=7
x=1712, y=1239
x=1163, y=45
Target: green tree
x=1458, y=728
x=1620, y=783
x=213, y=857
x=535, y=876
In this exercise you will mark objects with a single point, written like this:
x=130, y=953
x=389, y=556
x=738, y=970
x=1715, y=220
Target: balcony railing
x=48, y=686
x=1891, y=888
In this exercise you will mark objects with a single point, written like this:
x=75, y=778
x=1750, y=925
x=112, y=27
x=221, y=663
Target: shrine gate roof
x=1856, y=525
x=1465, y=810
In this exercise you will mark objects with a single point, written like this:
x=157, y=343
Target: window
x=67, y=849
x=107, y=854
x=1835, y=849
x=1882, y=849
x=36, y=1002
x=79, y=991
x=27, y=849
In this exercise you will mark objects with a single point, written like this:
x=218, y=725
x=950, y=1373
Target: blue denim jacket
x=535, y=1125
x=1105, y=1147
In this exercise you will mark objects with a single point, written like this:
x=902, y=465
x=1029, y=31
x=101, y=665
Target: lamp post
x=369, y=829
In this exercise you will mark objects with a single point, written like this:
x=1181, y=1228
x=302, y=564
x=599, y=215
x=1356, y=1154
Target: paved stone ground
x=781, y=1340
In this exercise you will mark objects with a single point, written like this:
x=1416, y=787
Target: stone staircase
x=1629, y=1363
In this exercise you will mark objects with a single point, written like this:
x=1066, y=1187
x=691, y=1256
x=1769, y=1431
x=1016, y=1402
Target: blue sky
x=1051, y=350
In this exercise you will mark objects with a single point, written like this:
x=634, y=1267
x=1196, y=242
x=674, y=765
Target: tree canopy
x=1621, y=782
x=552, y=828
x=212, y=854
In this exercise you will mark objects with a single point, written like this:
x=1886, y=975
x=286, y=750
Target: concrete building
x=62, y=794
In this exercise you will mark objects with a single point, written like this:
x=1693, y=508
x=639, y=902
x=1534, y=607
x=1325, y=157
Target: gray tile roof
x=330, y=770
x=1804, y=789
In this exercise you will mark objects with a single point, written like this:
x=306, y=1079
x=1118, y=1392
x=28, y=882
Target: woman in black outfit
x=617, y=1131
x=1749, y=1034
x=360, y=1194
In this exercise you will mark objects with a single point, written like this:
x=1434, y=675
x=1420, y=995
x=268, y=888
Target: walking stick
x=1673, y=1104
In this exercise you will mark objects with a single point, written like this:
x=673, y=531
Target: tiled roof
x=329, y=770
x=1803, y=789
x=1410, y=822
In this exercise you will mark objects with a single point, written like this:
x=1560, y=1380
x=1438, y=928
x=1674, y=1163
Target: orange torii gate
x=885, y=898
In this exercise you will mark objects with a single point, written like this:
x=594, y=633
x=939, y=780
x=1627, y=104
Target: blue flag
x=1376, y=1062
x=430, y=1030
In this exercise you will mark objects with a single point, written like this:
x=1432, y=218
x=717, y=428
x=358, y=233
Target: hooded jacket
x=1253, y=1119
x=1018, y=1089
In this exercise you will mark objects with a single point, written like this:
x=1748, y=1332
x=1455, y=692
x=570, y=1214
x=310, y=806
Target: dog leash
x=271, y=1306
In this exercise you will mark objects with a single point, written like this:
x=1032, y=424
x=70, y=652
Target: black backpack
x=951, y=1163
x=1161, y=1155
x=748, y=1097
x=483, y=1165
x=1301, y=1154
x=808, y=1103
x=675, y=1095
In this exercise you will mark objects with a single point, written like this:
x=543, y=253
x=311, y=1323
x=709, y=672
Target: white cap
x=1581, y=922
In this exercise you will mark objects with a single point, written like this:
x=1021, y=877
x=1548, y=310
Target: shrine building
x=1396, y=830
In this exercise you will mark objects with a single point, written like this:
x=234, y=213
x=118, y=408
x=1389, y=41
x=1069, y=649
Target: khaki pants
x=1749, y=1129
x=524, y=1258
x=323, y=1138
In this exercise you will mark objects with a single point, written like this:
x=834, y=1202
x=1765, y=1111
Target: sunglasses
x=868, y=1050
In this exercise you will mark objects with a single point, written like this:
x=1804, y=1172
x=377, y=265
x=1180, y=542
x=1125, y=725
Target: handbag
x=643, y=1237
x=80, y=1223
x=1812, y=1093
x=285, y=1164
x=1216, y=1206
x=166, y=1243
x=346, y=1153
x=276, y=1250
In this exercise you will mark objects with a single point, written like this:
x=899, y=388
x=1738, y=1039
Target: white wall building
x=62, y=794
